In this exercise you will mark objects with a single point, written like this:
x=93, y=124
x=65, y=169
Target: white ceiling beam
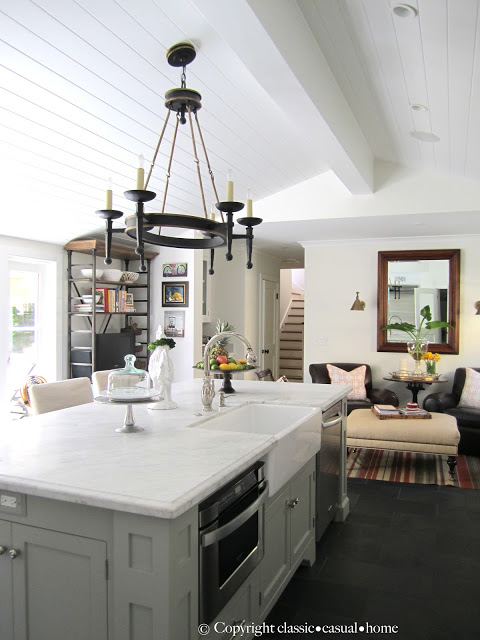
x=288, y=63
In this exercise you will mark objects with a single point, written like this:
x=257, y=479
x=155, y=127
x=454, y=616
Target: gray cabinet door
x=301, y=516
x=59, y=586
x=276, y=560
x=6, y=600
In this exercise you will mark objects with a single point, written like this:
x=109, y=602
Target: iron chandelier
x=185, y=103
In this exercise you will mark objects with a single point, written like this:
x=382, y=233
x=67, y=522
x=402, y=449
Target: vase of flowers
x=431, y=360
x=417, y=344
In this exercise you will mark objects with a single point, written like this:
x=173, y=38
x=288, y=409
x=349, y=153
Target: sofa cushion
x=355, y=378
x=466, y=417
x=471, y=391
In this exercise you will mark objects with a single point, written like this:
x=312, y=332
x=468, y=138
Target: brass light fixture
x=358, y=305
x=185, y=103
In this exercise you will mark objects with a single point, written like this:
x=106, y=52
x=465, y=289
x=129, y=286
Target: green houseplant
x=417, y=343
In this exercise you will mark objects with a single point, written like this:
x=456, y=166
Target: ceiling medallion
x=185, y=103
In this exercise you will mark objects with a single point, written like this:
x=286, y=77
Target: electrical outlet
x=8, y=501
x=13, y=503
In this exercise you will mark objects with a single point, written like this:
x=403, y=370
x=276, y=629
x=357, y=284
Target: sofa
x=468, y=419
x=319, y=374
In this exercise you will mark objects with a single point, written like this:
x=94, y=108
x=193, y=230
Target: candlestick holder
x=108, y=215
x=229, y=208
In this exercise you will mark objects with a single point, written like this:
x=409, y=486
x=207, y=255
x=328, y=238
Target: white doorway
x=269, y=325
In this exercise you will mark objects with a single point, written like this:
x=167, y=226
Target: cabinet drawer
x=237, y=614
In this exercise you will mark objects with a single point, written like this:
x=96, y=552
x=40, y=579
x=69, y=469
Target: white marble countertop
x=75, y=454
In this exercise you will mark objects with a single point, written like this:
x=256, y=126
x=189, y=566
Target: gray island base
x=99, y=530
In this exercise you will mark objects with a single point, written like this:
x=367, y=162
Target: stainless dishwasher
x=328, y=468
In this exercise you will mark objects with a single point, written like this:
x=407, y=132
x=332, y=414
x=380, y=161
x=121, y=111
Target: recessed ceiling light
x=405, y=11
x=418, y=107
x=424, y=136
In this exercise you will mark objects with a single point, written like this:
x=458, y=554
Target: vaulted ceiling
x=290, y=90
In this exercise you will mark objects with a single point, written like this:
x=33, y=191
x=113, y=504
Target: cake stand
x=129, y=425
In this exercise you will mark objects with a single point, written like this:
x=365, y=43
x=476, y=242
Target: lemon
x=224, y=367
x=239, y=366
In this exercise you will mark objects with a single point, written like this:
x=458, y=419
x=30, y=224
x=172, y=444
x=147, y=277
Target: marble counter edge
x=131, y=504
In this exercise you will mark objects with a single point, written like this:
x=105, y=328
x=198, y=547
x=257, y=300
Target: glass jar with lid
x=129, y=383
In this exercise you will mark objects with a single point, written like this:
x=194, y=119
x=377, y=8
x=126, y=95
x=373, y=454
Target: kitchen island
x=115, y=515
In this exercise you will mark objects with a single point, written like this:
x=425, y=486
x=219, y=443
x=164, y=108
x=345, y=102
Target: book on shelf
x=87, y=308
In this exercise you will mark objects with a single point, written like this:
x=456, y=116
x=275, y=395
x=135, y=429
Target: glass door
x=31, y=328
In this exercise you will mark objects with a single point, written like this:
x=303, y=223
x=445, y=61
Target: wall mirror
x=409, y=280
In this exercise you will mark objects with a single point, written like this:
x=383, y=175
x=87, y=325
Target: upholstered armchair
x=468, y=418
x=320, y=375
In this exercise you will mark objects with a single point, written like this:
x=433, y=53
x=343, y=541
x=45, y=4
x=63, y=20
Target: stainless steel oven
x=231, y=538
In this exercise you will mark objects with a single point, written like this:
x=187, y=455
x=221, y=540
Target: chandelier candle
x=108, y=204
x=229, y=186
x=249, y=204
x=140, y=172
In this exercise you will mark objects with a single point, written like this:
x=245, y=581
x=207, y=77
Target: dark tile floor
x=407, y=555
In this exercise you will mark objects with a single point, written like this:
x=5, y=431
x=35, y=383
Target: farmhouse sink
x=297, y=430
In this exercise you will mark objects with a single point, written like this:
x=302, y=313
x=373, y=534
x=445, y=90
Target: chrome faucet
x=208, y=387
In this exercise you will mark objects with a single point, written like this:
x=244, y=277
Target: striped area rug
x=420, y=468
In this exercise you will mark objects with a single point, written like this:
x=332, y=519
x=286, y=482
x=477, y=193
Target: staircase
x=291, y=340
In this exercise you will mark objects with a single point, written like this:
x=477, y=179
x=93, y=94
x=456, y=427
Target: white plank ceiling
x=289, y=89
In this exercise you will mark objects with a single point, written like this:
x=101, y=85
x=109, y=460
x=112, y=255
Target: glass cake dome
x=129, y=383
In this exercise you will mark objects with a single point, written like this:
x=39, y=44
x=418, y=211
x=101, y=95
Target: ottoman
x=438, y=435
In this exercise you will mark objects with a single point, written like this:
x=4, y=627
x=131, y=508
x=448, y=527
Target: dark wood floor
x=407, y=555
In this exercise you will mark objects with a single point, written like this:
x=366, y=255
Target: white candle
x=229, y=186
x=249, y=204
x=212, y=215
x=403, y=364
x=108, y=204
x=140, y=172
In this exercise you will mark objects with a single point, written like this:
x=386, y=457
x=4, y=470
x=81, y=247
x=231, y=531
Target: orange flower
x=431, y=357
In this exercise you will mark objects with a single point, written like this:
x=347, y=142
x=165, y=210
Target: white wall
x=184, y=354
x=227, y=289
x=333, y=333
x=285, y=291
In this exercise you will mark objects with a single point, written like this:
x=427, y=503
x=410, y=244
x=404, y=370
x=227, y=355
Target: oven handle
x=332, y=423
x=222, y=532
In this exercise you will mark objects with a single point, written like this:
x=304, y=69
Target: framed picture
x=174, y=324
x=103, y=301
x=175, y=270
x=175, y=294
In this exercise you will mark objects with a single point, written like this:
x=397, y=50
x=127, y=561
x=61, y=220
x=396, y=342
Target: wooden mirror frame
x=453, y=256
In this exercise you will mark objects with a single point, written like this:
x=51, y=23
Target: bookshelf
x=100, y=335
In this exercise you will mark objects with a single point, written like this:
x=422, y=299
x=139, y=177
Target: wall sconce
x=477, y=307
x=358, y=305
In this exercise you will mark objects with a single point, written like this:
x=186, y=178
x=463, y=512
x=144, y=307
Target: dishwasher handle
x=332, y=423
